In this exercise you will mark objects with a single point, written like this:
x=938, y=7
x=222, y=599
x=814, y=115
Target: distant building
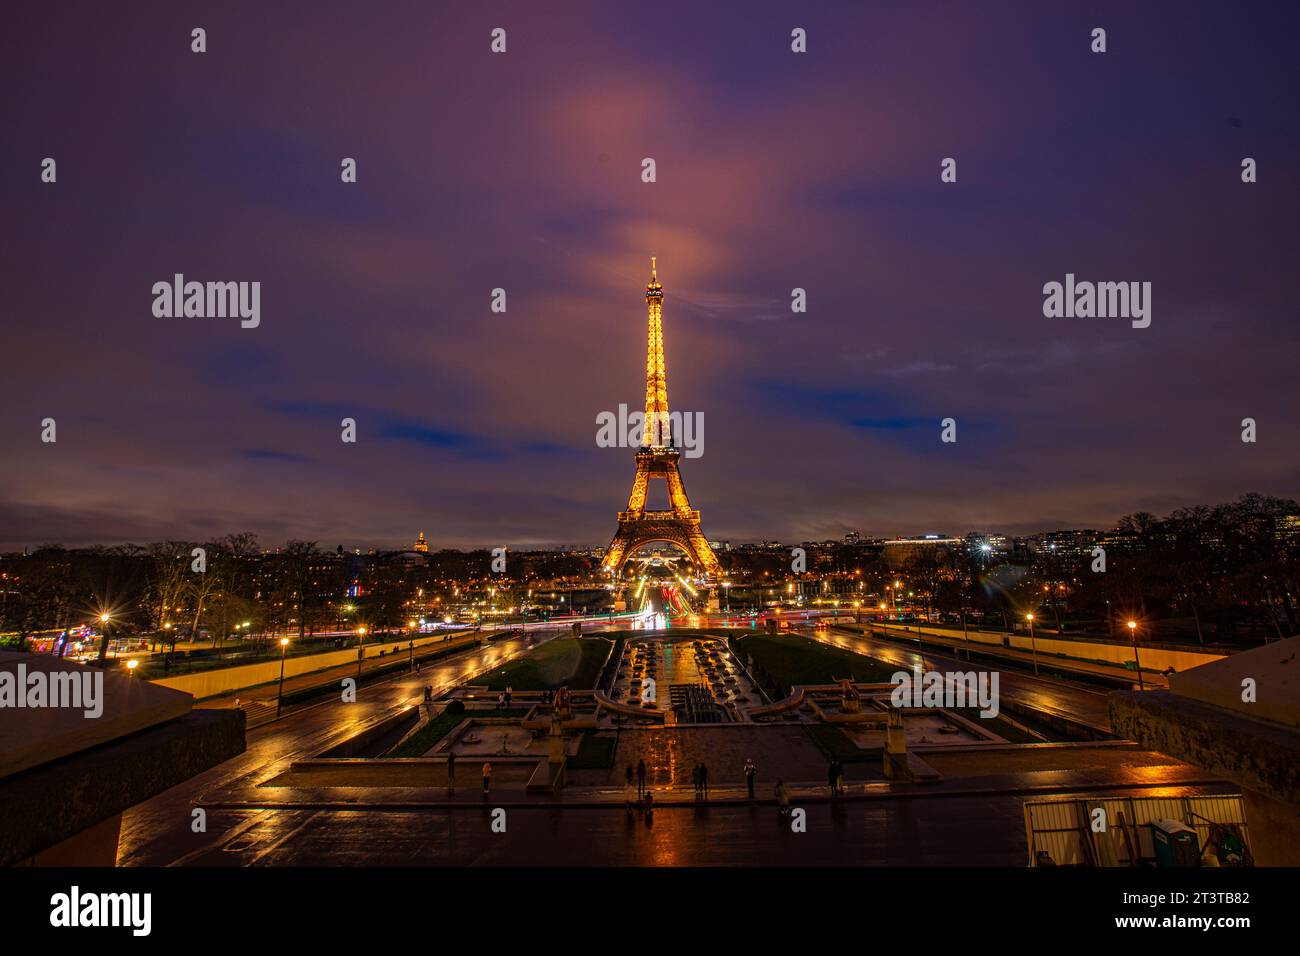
x=421, y=545
x=1072, y=545
x=992, y=546
x=899, y=553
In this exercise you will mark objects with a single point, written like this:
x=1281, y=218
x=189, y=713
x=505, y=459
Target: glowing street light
x=103, y=634
x=1137, y=661
x=131, y=665
x=279, y=697
x=1032, y=643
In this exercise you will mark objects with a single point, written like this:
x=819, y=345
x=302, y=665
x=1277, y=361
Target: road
x=1054, y=696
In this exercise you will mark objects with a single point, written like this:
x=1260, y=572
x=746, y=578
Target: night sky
x=522, y=171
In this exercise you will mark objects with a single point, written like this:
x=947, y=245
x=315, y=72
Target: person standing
x=487, y=777
x=751, y=772
x=640, y=778
x=704, y=779
x=782, y=799
x=629, y=794
x=832, y=777
x=695, y=780
x=451, y=769
x=649, y=808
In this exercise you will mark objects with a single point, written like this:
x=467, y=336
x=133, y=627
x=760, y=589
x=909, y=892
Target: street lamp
x=103, y=635
x=131, y=665
x=1132, y=636
x=1032, y=643
x=361, y=649
x=279, y=697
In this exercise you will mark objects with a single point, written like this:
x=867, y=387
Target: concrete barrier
x=1154, y=657
x=226, y=680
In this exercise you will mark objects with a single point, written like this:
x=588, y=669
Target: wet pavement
x=160, y=830
x=672, y=753
x=976, y=830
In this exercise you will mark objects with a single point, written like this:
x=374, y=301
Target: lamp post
x=1132, y=636
x=131, y=665
x=103, y=635
x=361, y=649
x=279, y=697
x=1033, y=645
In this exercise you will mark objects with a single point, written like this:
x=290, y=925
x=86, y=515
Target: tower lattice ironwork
x=657, y=460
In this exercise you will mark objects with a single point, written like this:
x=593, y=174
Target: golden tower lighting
x=657, y=459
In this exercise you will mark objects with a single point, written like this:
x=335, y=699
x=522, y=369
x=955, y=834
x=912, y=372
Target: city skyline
x=649, y=441
x=924, y=298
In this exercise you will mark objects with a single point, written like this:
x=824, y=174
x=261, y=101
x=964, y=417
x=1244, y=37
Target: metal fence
x=1064, y=830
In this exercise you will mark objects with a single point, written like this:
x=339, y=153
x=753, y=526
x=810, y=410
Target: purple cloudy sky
x=522, y=171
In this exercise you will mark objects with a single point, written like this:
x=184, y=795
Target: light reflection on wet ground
x=956, y=831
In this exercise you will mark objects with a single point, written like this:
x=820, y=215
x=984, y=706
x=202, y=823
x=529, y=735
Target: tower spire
x=656, y=432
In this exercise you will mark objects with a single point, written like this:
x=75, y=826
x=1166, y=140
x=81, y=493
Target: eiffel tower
x=656, y=460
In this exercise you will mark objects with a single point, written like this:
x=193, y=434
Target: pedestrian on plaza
x=751, y=772
x=451, y=769
x=839, y=777
x=509, y=692
x=704, y=779
x=501, y=700
x=627, y=777
x=649, y=808
x=629, y=796
x=832, y=777
x=695, y=780
x=487, y=777
x=640, y=778
x=782, y=798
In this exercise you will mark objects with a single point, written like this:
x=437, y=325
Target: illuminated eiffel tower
x=656, y=460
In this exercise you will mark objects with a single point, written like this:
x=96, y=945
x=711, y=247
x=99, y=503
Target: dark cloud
x=521, y=171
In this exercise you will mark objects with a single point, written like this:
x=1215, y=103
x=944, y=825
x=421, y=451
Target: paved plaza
x=671, y=753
